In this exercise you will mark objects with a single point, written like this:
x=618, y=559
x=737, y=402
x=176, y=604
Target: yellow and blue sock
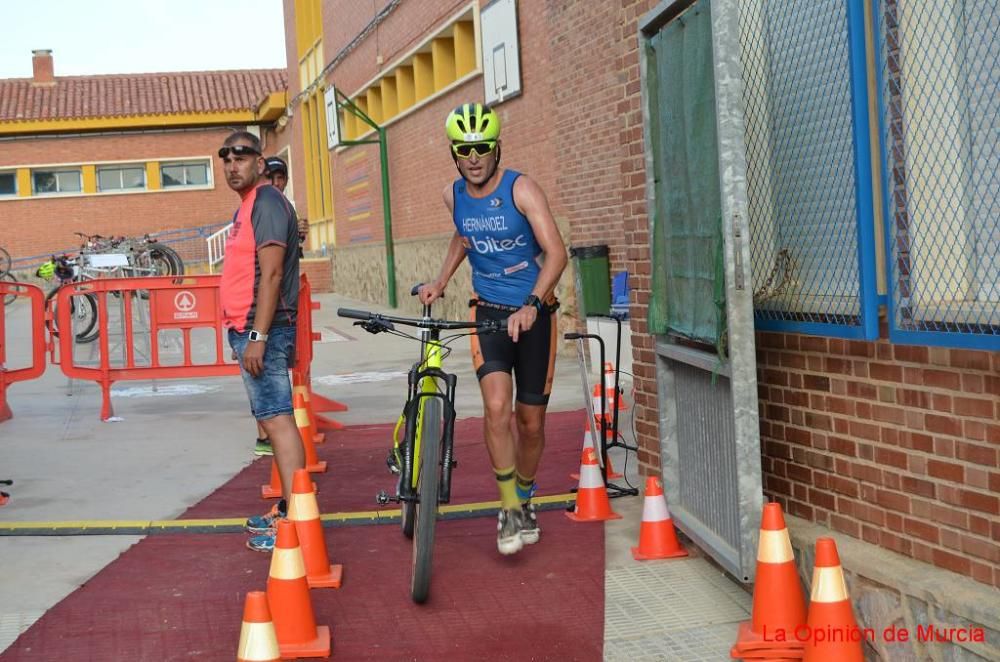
x=525, y=488
x=508, y=492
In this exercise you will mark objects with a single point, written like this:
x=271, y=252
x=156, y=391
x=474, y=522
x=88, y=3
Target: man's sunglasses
x=237, y=150
x=465, y=150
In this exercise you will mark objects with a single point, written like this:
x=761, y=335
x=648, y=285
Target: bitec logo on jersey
x=490, y=243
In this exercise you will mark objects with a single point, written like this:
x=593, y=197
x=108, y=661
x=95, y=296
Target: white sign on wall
x=501, y=52
x=332, y=118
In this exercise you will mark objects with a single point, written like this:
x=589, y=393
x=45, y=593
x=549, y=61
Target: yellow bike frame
x=433, y=358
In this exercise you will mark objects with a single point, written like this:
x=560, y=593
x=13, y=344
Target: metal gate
x=697, y=201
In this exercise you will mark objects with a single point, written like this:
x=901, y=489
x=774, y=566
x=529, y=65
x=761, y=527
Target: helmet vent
x=461, y=124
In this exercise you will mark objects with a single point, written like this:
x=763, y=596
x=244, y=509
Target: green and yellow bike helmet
x=472, y=122
x=473, y=126
x=47, y=270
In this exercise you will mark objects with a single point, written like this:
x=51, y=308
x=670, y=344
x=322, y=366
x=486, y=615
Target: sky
x=135, y=36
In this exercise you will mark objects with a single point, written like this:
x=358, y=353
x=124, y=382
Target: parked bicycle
x=145, y=256
x=66, y=268
x=425, y=453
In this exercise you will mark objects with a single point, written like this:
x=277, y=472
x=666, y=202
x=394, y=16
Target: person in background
x=276, y=171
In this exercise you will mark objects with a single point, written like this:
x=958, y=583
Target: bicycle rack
x=613, y=489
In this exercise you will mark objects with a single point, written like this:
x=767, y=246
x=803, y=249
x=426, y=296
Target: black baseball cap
x=274, y=164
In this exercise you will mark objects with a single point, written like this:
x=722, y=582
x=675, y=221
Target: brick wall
x=420, y=164
x=46, y=223
x=894, y=444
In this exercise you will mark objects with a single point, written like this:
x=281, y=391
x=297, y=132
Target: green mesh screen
x=687, y=288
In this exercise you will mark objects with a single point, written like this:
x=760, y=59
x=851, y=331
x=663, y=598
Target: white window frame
x=207, y=163
x=121, y=170
x=57, y=171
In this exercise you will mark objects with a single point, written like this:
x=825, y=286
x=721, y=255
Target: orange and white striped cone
x=303, y=390
x=592, y=502
x=779, y=608
x=273, y=489
x=657, y=536
x=609, y=388
x=830, y=611
x=313, y=463
x=258, y=641
x=588, y=442
x=288, y=599
x=304, y=511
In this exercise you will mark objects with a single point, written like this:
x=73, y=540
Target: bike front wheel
x=427, y=506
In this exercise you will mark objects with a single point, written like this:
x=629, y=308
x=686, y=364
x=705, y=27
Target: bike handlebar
x=421, y=322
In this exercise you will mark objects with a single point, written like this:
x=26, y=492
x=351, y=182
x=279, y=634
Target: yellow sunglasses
x=465, y=150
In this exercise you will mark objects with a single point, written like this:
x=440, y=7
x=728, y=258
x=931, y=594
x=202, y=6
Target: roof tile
x=76, y=97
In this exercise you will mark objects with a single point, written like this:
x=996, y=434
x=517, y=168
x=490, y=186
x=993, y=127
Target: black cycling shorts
x=531, y=359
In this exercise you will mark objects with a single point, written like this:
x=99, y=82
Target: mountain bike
x=425, y=453
x=83, y=309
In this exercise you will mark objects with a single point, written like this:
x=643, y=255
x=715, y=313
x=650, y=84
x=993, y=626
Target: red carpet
x=180, y=597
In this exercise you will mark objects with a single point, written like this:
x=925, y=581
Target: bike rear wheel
x=165, y=260
x=427, y=507
x=4, y=260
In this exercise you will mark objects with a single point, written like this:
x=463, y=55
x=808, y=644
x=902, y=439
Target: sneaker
x=262, y=543
x=530, y=531
x=264, y=524
x=263, y=447
x=509, y=531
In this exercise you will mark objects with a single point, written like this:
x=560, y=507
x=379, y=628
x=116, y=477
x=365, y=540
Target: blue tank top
x=499, y=242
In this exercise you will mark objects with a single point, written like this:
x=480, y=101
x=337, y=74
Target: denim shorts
x=271, y=393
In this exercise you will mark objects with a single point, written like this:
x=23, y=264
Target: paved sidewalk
x=178, y=441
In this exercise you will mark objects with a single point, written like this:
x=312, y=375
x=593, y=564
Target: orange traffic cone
x=258, y=642
x=288, y=599
x=588, y=442
x=304, y=511
x=303, y=390
x=830, y=611
x=779, y=608
x=592, y=503
x=273, y=489
x=657, y=536
x=313, y=463
x=608, y=384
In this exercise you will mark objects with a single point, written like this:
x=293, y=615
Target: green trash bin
x=594, y=271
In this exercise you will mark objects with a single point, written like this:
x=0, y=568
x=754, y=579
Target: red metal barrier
x=183, y=304
x=301, y=373
x=37, y=301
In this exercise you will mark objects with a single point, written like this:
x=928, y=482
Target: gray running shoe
x=530, y=531
x=509, y=531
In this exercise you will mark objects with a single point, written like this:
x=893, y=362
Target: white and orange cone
x=289, y=601
x=313, y=463
x=303, y=390
x=779, y=608
x=304, y=511
x=592, y=502
x=588, y=442
x=657, y=536
x=258, y=641
x=273, y=489
x=830, y=611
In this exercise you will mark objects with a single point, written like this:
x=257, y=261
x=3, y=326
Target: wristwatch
x=257, y=336
x=532, y=300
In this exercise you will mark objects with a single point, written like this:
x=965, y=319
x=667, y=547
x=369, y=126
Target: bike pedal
x=383, y=498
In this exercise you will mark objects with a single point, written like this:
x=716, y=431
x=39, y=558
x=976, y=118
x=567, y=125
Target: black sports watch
x=532, y=300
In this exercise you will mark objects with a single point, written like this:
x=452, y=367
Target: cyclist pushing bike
x=504, y=226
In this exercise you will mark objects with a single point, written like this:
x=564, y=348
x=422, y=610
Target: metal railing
x=938, y=75
x=809, y=179
x=216, y=247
